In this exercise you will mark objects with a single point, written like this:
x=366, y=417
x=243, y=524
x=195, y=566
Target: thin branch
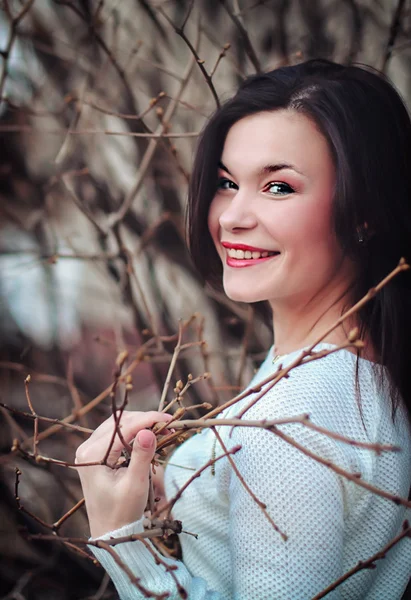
x=6, y=53
x=402, y=266
x=133, y=579
x=149, y=153
x=36, y=421
x=259, y=389
x=354, y=477
x=245, y=485
x=126, y=116
x=168, y=568
x=73, y=195
x=100, y=41
x=34, y=416
x=272, y=424
x=394, y=31
x=21, y=507
x=198, y=60
x=56, y=526
x=248, y=47
x=169, y=505
x=369, y=563
x=171, y=367
x=77, y=404
x=219, y=58
x=61, y=131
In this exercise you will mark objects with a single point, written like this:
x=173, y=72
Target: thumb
x=143, y=452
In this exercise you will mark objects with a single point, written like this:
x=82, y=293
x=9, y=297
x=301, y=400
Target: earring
x=362, y=234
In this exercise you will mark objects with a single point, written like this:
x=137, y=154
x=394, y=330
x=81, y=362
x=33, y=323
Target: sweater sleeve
x=150, y=575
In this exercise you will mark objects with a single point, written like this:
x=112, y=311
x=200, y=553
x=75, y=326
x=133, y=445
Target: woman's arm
x=304, y=499
x=151, y=575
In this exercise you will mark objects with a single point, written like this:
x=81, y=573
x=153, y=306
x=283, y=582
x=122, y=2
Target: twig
x=34, y=416
x=56, y=526
x=21, y=507
x=148, y=156
x=131, y=275
x=259, y=389
x=126, y=116
x=220, y=56
x=98, y=399
x=169, y=505
x=117, y=412
x=73, y=390
x=36, y=421
x=245, y=485
x=244, y=36
x=402, y=266
x=100, y=41
x=136, y=134
x=73, y=195
x=5, y=54
x=394, y=30
x=179, y=31
x=169, y=569
x=171, y=367
x=355, y=477
x=133, y=579
x=271, y=424
x=367, y=564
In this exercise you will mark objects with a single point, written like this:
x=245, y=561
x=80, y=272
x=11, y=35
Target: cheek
x=213, y=220
x=304, y=228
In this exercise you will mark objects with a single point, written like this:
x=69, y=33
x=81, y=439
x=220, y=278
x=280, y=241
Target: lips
x=245, y=247
x=242, y=255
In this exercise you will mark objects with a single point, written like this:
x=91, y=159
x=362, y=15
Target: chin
x=246, y=296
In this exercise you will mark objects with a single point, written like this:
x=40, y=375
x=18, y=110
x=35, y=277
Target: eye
x=226, y=184
x=278, y=188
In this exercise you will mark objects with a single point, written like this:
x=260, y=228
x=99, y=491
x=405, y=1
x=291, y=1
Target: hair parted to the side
x=368, y=131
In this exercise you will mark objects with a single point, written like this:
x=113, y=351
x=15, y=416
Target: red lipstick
x=246, y=262
x=244, y=247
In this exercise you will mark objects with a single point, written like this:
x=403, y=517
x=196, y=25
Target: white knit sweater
x=331, y=522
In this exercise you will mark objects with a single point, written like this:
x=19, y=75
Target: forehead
x=282, y=136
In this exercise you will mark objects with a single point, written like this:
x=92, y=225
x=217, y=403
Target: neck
x=305, y=322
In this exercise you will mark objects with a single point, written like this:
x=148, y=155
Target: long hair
x=368, y=131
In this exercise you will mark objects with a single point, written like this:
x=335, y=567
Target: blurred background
x=101, y=104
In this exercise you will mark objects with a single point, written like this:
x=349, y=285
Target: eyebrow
x=267, y=169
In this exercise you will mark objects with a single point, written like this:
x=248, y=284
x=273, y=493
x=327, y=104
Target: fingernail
x=145, y=439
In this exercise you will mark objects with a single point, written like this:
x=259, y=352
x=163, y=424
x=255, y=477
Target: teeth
x=247, y=254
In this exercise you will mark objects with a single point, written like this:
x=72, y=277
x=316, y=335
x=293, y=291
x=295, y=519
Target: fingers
x=144, y=447
x=95, y=448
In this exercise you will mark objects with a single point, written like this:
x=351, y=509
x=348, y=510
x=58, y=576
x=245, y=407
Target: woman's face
x=271, y=217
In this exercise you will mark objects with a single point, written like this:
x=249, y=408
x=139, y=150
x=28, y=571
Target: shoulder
x=335, y=390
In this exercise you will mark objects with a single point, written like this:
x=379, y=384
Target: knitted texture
x=330, y=522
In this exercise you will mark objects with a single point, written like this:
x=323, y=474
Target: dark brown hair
x=369, y=134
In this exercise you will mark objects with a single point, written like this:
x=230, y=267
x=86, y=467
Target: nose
x=239, y=213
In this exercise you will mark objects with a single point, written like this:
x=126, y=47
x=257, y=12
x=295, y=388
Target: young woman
x=300, y=196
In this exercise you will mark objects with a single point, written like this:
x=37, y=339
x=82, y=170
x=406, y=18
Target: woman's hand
x=116, y=497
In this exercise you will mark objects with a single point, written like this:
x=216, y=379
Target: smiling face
x=271, y=218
